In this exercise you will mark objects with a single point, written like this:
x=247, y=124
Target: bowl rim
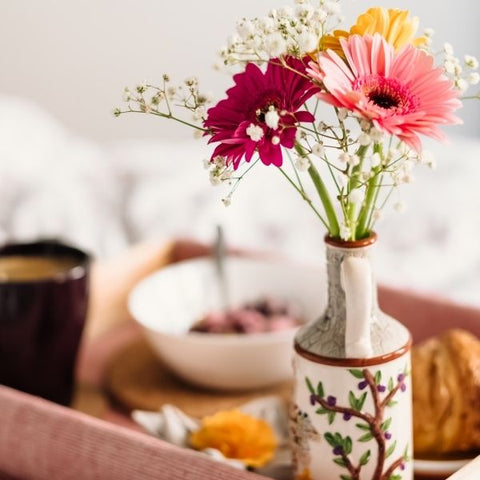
x=228, y=338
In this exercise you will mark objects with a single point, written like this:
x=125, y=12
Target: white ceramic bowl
x=169, y=301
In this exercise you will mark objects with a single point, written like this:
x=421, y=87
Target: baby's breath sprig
x=284, y=31
x=161, y=101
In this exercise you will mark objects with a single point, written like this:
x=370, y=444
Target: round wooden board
x=137, y=379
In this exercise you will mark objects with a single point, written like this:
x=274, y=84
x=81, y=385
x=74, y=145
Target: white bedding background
x=55, y=184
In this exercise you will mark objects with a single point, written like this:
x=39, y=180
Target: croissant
x=446, y=393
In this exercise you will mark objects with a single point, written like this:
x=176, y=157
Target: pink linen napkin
x=40, y=440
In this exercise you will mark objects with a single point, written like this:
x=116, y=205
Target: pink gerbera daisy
x=261, y=113
x=403, y=93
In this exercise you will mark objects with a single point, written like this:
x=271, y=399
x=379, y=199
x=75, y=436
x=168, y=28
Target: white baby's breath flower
x=302, y=164
x=275, y=44
x=214, y=177
x=322, y=126
x=471, y=61
x=220, y=161
x=206, y=163
x=227, y=200
x=332, y=7
x=226, y=174
x=197, y=134
x=474, y=78
x=344, y=157
x=255, y=132
x=342, y=114
x=318, y=150
x=364, y=139
x=375, y=160
x=461, y=84
x=449, y=66
x=429, y=32
x=353, y=160
x=272, y=118
x=376, y=134
x=245, y=28
x=399, y=207
x=447, y=48
x=285, y=12
x=365, y=124
x=320, y=15
x=127, y=95
x=307, y=42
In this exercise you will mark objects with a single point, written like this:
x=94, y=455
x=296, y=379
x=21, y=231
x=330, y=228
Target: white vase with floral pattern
x=351, y=416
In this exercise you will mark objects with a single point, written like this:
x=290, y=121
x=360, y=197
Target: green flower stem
x=371, y=193
x=333, y=226
x=353, y=184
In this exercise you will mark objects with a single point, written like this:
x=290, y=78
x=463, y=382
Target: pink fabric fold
x=40, y=440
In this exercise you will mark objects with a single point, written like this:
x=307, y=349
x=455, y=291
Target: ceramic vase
x=351, y=415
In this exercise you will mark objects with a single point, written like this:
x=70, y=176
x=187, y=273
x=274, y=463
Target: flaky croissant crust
x=446, y=393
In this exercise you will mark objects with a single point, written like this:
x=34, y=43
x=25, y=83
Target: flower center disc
x=387, y=93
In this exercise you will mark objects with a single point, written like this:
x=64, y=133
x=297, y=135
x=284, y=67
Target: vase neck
x=336, y=254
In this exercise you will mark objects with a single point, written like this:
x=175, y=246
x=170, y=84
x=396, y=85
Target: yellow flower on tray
x=395, y=25
x=237, y=435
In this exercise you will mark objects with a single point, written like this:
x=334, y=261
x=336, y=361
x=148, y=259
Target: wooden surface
x=137, y=379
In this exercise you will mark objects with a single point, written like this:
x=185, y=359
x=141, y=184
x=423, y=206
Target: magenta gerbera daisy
x=261, y=113
x=402, y=93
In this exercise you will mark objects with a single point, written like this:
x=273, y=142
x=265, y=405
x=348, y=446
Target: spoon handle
x=220, y=253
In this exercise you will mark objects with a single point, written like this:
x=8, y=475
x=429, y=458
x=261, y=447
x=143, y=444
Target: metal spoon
x=219, y=255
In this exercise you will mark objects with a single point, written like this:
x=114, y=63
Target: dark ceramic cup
x=41, y=321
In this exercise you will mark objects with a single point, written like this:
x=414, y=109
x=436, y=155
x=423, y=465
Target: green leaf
x=406, y=456
x=340, y=461
x=378, y=377
x=384, y=426
x=365, y=458
x=365, y=438
x=363, y=426
x=338, y=439
x=390, y=449
x=330, y=439
x=361, y=401
x=346, y=477
x=320, y=391
x=390, y=384
x=331, y=417
x=352, y=399
x=321, y=411
x=347, y=445
x=310, y=386
x=392, y=403
x=357, y=373
x=395, y=476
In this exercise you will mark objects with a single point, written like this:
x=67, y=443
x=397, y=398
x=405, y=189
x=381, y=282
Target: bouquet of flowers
x=379, y=78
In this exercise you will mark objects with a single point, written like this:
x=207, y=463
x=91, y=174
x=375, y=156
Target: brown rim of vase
x=363, y=242
x=354, y=362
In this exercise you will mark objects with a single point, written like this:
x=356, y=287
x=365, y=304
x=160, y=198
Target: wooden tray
x=137, y=379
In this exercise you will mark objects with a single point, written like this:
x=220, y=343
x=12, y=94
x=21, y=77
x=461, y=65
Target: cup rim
x=52, y=247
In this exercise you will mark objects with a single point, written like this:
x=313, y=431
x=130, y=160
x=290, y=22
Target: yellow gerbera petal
x=393, y=24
